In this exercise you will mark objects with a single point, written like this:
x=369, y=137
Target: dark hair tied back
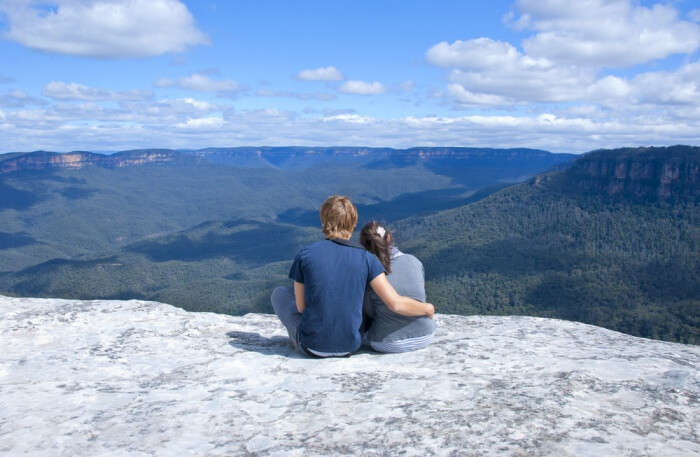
x=377, y=243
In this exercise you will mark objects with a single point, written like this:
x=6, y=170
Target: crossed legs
x=285, y=306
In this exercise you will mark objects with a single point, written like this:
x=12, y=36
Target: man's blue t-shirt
x=335, y=274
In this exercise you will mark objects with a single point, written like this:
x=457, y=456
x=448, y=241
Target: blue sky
x=553, y=74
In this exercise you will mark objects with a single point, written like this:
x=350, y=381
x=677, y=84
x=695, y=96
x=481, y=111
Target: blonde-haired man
x=323, y=311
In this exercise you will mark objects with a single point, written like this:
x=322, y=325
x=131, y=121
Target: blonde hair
x=338, y=217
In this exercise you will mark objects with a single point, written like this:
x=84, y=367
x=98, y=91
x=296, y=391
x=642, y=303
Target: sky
x=107, y=75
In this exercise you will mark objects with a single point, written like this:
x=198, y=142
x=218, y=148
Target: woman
x=386, y=330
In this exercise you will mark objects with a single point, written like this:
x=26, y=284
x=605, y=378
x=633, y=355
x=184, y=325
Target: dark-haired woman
x=386, y=330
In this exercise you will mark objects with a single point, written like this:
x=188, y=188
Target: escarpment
x=45, y=160
x=657, y=174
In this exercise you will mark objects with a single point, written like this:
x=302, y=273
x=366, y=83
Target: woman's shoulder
x=412, y=257
x=408, y=259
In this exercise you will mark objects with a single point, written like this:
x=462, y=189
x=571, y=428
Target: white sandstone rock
x=92, y=378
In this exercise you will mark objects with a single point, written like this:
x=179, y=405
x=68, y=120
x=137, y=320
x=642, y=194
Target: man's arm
x=299, y=296
x=397, y=303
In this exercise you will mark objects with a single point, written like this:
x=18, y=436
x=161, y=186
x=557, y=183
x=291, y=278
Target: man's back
x=335, y=274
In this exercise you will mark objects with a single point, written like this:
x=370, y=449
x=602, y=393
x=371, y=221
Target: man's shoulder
x=313, y=246
x=317, y=250
x=370, y=255
x=330, y=247
x=316, y=244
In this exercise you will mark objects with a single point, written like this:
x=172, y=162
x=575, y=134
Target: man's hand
x=431, y=310
x=399, y=304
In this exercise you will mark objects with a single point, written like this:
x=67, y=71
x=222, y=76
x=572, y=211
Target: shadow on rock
x=255, y=342
x=279, y=345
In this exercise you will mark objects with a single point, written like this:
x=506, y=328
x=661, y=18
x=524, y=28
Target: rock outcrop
x=143, y=378
x=46, y=160
x=653, y=174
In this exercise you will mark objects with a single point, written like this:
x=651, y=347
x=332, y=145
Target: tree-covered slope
x=64, y=213
x=556, y=246
x=55, y=205
x=228, y=267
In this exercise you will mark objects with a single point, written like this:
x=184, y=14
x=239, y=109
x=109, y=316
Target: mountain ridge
x=261, y=157
x=45, y=160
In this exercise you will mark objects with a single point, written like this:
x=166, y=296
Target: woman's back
x=408, y=279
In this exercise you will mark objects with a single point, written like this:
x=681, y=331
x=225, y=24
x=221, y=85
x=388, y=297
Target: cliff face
x=44, y=160
x=144, y=378
x=642, y=174
x=40, y=160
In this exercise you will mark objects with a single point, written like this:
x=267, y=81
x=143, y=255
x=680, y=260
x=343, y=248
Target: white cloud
x=321, y=96
x=201, y=82
x=609, y=88
x=489, y=72
x=202, y=123
x=362, y=87
x=167, y=110
x=122, y=129
x=480, y=53
x=563, y=61
x=642, y=91
x=178, y=123
x=102, y=28
x=329, y=73
x=610, y=33
x=197, y=104
x=681, y=87
x=349, y=118
x=466, y=97
x=73, y=91
x=18, y=98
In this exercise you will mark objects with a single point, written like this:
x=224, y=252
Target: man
x=323, y=311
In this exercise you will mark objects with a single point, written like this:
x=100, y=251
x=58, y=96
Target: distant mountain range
x=295, y=157
x=610, y=238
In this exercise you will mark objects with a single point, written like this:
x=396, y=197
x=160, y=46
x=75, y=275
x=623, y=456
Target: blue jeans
x=285, y=306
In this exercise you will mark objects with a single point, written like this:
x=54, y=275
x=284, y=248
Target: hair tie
x=381, y=231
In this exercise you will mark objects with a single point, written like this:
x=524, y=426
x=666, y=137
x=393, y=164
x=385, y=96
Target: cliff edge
x=144, y=378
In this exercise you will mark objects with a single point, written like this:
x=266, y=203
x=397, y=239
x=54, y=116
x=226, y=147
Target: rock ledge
x=144, y=378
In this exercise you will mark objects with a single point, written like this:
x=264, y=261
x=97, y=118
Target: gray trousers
x=405, y=345
x=285, y=306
